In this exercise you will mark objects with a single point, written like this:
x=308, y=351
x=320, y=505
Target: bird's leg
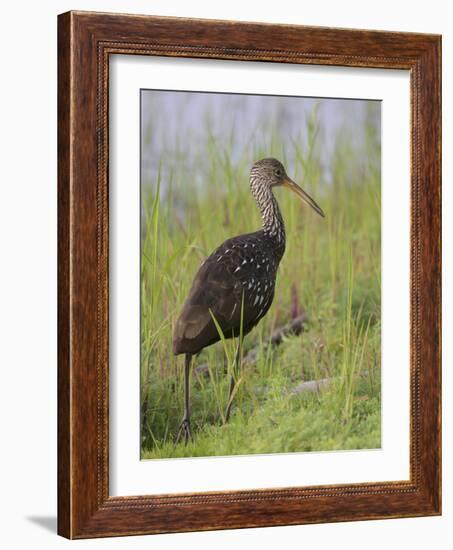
x=184, y=427
x=234, y=377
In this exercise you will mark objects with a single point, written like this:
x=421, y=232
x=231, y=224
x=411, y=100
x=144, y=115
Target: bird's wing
x=212, y=294
x=231, y=274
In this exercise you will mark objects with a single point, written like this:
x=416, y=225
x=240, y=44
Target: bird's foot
x=184, y=429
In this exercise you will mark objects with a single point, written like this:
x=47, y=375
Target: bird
x=234, y=287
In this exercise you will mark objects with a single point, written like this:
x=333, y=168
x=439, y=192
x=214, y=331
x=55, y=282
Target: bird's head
x=270, y=172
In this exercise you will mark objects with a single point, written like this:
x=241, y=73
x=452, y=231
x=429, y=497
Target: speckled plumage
x=242, y=266
x=245, y=265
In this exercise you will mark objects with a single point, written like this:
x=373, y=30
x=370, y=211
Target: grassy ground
x=331, y=269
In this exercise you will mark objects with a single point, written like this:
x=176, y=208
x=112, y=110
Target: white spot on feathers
x=234, y=309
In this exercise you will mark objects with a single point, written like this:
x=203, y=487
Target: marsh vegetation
x=193, y=199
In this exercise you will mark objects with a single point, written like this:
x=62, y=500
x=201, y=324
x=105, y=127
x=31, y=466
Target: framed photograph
x=249, y=275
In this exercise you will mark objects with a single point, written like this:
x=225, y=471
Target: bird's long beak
x=290, y=184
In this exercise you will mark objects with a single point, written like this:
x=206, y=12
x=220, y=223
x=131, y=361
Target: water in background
x=179, y=130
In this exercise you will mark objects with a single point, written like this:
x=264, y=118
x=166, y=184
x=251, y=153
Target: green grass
x=333, y=267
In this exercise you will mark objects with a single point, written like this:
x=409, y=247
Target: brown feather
x=240, y=267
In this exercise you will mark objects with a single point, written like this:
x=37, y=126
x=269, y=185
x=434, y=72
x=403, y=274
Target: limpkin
x=235, y=285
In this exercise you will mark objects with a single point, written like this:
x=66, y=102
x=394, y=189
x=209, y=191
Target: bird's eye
x=278, y=172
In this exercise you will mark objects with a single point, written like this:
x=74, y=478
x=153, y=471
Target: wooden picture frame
x=85, y=42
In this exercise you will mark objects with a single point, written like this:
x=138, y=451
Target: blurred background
x=196, y=153
x=180, y=128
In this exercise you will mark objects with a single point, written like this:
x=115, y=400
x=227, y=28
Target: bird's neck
x=273, y=226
